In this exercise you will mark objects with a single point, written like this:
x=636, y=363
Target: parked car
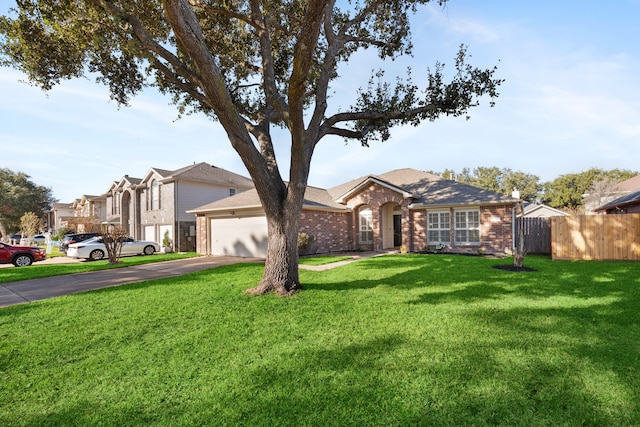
x=15, y=238
x=20, y=256
x=94, y=248
x=75, y=238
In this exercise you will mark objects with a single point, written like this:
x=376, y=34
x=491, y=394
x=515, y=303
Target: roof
x=201, y=172
x=539, y=210
x=626, y=200
x=314, y=198
x=630, y=184
x=425, y=190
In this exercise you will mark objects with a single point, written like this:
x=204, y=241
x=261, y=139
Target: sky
x=570, y=102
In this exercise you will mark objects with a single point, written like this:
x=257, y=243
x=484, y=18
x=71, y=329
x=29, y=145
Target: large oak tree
x=251, y=65
x=18, y=196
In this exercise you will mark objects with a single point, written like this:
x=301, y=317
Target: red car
x=20, y=256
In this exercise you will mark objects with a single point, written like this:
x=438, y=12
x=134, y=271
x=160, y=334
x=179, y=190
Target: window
x=116, y=203
x=232, y=191
x=467, y=226
x=366, y=225
x=155, y=195
x=438, y=227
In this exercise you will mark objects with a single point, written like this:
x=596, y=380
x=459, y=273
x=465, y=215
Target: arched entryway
x=391, y=225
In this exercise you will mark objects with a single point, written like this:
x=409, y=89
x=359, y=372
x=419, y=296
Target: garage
x=239, y=236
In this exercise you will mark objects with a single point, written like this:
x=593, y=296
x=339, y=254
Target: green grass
x=322, y=259
x=433, y=340
x=38, y=270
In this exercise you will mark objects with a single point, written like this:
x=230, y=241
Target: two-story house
x=88, y=213
x=155, y=205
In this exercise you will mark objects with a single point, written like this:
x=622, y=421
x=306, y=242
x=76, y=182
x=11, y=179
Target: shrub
x=304, y=243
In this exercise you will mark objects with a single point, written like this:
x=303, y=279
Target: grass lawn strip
x=38, y=271
x=391, y=340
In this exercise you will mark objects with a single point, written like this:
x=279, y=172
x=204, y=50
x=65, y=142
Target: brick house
x=404, y=208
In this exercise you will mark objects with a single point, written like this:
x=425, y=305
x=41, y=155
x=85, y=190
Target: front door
x=397, y=230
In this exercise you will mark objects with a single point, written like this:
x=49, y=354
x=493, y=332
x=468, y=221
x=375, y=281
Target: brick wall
x=419, y=233
x=328, y=229
x=496, y=224
x=376, y=196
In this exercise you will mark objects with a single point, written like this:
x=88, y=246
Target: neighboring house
x=623, y=199
x=593, y=202
x=156, y=204
x=534, y=210
x=629, y=203
x=58, y=216
x=88, y=213
x=402, y=208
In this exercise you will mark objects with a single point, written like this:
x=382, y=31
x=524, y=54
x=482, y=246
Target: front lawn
x=395, y=340
x=38, y=270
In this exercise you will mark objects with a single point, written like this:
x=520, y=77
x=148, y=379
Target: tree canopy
x=18, y=196
x=503, y=181
x=251, y=65
x=567, y=191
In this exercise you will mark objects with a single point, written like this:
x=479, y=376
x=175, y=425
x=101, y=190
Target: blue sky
x=571, y=101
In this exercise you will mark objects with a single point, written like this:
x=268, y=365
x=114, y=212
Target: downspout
x=513, y=229
x=176, y=214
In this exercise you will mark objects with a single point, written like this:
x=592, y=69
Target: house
x=405, y=208
x=58, y=216
x=629, y=203
x=604, y=193
x=88, y=213
x=624, y=199
x=535, y=210
x=155, y=205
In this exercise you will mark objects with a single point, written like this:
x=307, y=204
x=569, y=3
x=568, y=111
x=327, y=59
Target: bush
x=304, y=243
x=62, y=231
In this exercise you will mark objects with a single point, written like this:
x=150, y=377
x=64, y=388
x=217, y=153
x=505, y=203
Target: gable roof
x=425, y=190
x=621, y=202
x=629, y=185
x=200, y=172
x=314, y=198
x=540, y=210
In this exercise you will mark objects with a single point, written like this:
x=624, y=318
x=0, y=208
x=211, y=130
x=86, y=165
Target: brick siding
x=328, y=229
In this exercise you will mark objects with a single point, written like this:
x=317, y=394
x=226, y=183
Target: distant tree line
x=567, y=192
x=19, y=196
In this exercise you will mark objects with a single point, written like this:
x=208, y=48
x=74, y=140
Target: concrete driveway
x=38, y=289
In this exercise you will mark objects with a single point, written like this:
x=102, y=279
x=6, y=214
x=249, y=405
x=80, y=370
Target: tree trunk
x=281, y=265
x=520, y=251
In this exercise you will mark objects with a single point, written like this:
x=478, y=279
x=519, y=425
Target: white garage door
x=239, y=236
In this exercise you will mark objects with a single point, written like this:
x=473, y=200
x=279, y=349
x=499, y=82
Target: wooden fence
x=536, y=233
x=596, y=237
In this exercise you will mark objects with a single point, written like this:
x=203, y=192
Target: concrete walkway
x=38, y=289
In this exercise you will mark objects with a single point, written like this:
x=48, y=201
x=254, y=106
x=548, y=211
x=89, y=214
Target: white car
x=94, y=249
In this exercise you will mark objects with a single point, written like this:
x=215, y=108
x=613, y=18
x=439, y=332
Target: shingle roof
x=627, y=199
x=629, y=185
x=429, y=189
x=204, y=172
x=425, y=188
x=314, y=198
